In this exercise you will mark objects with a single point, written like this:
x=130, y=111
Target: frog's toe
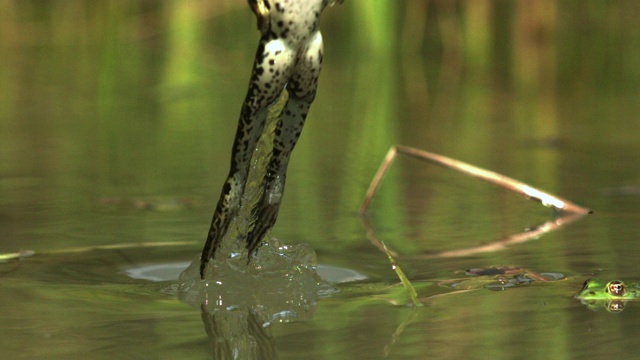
x=266, y=215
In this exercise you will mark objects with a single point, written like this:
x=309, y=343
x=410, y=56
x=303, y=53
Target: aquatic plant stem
x=489, y=176
x=151, y=244
x=403, y=278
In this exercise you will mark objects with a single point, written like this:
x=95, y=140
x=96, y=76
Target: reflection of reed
x=399, y=330
x=568, y=211
x=530, y=234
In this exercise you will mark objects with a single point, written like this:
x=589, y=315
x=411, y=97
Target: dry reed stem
x=571, y=211
x=489, y=176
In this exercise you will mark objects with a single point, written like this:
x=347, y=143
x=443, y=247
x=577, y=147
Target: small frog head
x=612, y=295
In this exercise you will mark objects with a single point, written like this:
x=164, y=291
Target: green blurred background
x=125, y=99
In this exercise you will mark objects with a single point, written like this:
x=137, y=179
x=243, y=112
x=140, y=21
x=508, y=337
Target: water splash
x=280, y=284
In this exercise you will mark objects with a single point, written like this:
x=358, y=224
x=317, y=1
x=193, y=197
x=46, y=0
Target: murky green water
x=116, y=120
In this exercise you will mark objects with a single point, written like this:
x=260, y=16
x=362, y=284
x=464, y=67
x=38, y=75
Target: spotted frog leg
x=289, y=58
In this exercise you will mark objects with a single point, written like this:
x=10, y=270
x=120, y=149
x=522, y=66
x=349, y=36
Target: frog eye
x=616, y=288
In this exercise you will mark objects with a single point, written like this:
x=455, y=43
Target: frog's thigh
x=274, y=65
x=304, y=80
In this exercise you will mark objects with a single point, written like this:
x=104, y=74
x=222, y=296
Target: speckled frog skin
x=289, y=57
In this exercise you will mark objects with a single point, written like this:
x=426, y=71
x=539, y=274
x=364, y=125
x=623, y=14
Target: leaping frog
x=288, y=59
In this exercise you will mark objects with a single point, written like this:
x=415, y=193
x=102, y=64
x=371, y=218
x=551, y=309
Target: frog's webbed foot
x=287, y=133
x=266, y=215
x=250, y=126
x=266, y=210
x=227, y=208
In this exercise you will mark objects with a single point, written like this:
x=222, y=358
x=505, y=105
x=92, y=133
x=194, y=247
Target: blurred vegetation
x=142, y=97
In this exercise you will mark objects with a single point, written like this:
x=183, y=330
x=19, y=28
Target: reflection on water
x=171, y=271
x=127, y=101
x=238, y=335
x=278, y=287
x=239, y=302
x=99, y=289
